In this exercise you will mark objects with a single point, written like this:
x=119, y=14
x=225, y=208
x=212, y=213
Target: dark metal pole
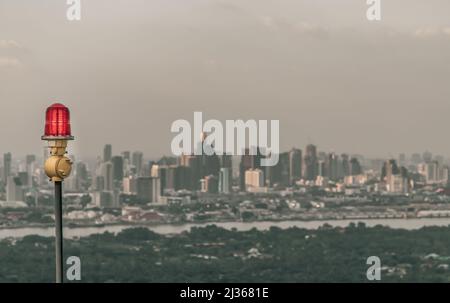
x=59, y=232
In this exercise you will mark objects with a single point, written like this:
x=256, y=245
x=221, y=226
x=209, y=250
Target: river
x=408, y=224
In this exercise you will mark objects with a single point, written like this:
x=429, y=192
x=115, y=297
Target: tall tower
x=118, y=168
x=137, y=159
x=107, y=153
x=225, y=180
x=310, y=163
x=345, y=165
x=333, y=166
x=7, y=159
x=14, y=189
x=107, y=175
x=295, y=165
x=248, y=162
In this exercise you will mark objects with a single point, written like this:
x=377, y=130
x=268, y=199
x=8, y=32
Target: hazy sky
x=129, y=68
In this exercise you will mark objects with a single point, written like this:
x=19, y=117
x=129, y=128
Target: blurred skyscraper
x=14, y=189
x=310, y=163
x=137, y=159
x=225, y=180
x=107, y=153
x=7, y=160
x=248, y=162
x=148, y=189
x=118, y=168
x=107, y=174
x=355, y=167
x=209, y=184
x=254, y=179
x=295, y=165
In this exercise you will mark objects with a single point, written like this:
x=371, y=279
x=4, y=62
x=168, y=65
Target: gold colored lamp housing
x=58, y=166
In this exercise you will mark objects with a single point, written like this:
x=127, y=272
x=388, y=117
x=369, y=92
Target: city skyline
x=21, y=157
x=127, y=178
x=118, y=152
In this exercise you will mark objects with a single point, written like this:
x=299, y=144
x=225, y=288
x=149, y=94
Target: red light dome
x=57, y=123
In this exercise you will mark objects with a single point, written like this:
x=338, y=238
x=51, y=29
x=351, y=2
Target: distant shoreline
x=72, y=225
x=168, y=229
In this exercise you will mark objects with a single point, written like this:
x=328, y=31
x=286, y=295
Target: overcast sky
x=129, y=68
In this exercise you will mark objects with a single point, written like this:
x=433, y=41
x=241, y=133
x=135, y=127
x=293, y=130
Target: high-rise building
x=396, y=178
x=209, y=184
x=226, y=161
x=106, y=199
x=225, y=180
x=389, y=168
x=193, y=163
x=99, y=183
x=397, y=184
x=117, y=162
x=433, y=172
x=333, y=167
x=154, y=171
x=345, y=165
x=126, y=156
x=24, y=178
x=82, y=175
x=130, y=185
x=137, y=160
x=174, y=177
x=30, y=161
x=355, y=167
x=254, y=178
x=107, y=174
x=284, y=166
x=295, y=165
x=248, y=161
x=107, y=153
x=322, y=169
x=7, y=160
x=148, y=189
x=310, y=163
x=14, y=189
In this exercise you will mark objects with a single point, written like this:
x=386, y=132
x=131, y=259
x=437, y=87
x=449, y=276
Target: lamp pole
x=57, y=167
x=58, y=232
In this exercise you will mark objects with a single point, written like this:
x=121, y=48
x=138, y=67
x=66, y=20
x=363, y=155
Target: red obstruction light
x=57, y=123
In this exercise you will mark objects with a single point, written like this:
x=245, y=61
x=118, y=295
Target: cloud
x=312, y=29
x=432, y=31
x=8, y=62
x=8, y=44
x=224, y=5
x=10, y=53
x=304, y=28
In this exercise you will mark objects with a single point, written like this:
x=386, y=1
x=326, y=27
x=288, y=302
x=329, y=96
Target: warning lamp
x=57, y=132
x=57, y=167
x=57, y=123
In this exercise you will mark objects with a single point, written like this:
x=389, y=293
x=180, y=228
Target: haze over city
x=128, y=69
